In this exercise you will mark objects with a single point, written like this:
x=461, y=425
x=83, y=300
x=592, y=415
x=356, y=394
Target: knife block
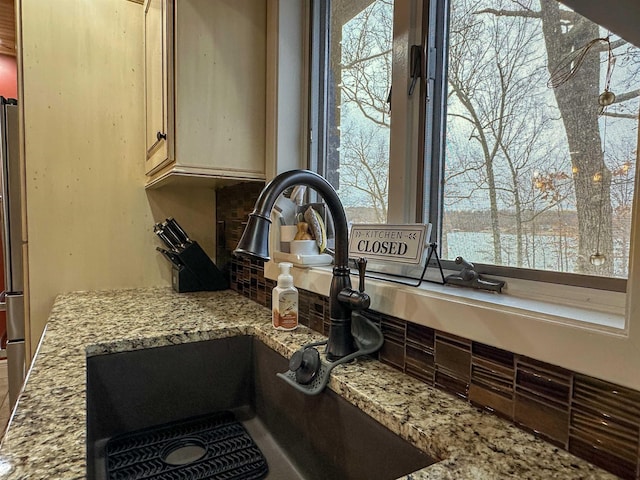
x=197, y=273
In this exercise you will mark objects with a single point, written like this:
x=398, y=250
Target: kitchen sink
x=300, y=436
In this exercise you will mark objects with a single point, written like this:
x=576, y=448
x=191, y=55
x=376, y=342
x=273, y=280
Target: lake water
x=550, y=253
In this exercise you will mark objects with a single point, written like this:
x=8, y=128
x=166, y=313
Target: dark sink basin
x=320, y=437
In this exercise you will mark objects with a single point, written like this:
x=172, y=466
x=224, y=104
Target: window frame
x=418, y=131
x=319, y=33
x=434, y=209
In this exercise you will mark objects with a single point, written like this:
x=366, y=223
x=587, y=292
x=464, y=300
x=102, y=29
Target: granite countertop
x=46, y=435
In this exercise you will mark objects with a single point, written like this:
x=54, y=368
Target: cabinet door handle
x=160, y=136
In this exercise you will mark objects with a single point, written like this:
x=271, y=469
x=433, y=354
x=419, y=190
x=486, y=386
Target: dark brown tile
x=492, y=376
x=304, y=300
x=451, y=384
x=420, y=363
x=605, y=423
x=233, y=205
x=544, y=419
x=453, y=339
x=326, y=327
x=392, y=353
x=393, y=328
x=419, y=353
x=542, y=399
x=316, y=322
x=393, y=348
x=317, y=304
x=548, y=382
x=491, y=400
x=607, y=399
x=620, y=467
x=420, y=336
x=493, y=354
x=269, y=285
x=453, y=355
x=261, y=297
x=316, y=311
x=492, y=380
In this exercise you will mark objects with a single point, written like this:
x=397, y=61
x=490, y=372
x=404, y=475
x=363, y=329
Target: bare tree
x=496, y=93
x=366, y=61
x=365, y=164
x=361, y=56
x=564, y=33
x=492, y=75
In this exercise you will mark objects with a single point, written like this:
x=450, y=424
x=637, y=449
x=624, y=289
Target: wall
x=88, y=219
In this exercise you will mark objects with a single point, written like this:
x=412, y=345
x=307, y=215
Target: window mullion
x=404, y=146
x=436, y=30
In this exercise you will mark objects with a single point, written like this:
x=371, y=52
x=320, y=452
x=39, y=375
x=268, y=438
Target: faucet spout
x=254, y=243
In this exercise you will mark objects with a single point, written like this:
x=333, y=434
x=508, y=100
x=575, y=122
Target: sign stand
x=433, y=252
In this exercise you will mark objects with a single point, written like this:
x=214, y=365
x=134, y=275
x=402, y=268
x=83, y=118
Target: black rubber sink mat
x=214, y=446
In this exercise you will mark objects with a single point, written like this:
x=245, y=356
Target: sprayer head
x=254, y=242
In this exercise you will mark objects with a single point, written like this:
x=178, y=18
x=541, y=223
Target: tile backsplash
x=233, y=205
x=593, y=419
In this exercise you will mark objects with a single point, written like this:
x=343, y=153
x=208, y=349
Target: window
x=518, y=142
x=358, y=63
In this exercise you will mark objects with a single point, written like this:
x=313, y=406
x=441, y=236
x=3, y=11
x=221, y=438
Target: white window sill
x=579, y=307
x=587, y=334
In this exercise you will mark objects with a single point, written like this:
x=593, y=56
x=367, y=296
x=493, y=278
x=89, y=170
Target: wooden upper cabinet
x=205, y=72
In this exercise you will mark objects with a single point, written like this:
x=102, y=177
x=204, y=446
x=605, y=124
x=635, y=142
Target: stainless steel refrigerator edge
x=12, y=244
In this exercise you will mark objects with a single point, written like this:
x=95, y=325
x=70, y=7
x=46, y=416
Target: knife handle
x=175, y=239
x=177, y=230
x=167, y=241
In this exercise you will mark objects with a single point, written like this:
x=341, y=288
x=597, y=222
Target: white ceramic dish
x=303, y=260
x=304, y=247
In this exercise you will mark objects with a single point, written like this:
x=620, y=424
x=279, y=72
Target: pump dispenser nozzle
x=285, y=280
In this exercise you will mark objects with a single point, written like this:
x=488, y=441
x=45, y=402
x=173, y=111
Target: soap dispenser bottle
x=285, y=300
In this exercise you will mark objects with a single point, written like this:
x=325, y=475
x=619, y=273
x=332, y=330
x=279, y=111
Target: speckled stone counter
x=46, y=435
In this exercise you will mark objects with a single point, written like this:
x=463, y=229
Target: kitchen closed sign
x=397, y=243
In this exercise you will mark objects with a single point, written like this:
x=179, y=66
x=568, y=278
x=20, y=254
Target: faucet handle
x=356, y=299
x=362, y=267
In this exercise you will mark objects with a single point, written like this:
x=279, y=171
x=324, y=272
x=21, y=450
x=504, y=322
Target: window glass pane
x=358, y=117
x=538, y=173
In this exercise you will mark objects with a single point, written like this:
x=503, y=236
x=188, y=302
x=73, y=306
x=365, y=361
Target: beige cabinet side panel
x=220, y=55
x=89, y=222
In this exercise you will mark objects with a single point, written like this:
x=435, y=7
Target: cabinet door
x=221, y=86
x=155, y=62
